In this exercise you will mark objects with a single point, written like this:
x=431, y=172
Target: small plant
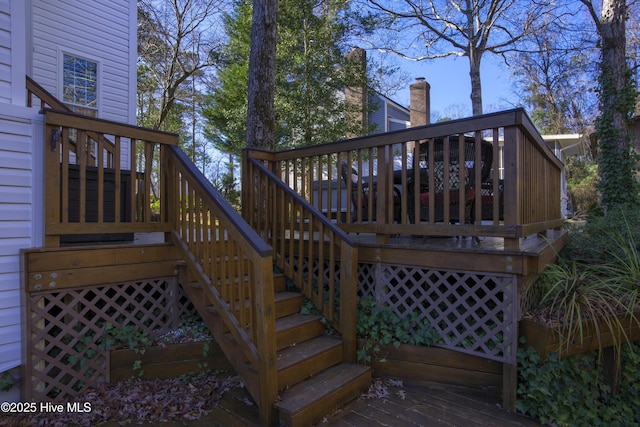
x=127, y=336
x=381, y=326
x=577, y=294
x=7, y=381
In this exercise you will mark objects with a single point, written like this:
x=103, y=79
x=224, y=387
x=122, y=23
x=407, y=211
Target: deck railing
x=234, y=268
x=314, y=253
x=520, y=196
x=102, y=178
x=105, y=178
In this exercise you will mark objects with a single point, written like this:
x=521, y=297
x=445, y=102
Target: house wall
x=386, y=115
x=5, y=51
x=19, y=225
x=13, y=51
x=33, y=35
x=95, y=30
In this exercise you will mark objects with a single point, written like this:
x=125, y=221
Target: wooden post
x=509, y=386
x=611, y=368
x=52, y=187
x=382, y=192
x=348, y=303
x=512, y=172
x=265, y=333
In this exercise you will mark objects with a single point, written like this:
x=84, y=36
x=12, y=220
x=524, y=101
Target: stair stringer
x=233, y=339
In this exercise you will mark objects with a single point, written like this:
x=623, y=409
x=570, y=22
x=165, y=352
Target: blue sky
x=451, y=86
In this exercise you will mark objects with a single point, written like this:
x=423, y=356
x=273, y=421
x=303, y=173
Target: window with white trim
x=80, y=84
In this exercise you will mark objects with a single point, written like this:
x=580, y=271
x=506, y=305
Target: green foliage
x=571, y=391
x=7, y=381
x=228, y=187
x=85, y=351
x=575, y=296
x=310, y=73
x=582, y=185
x=381, y=326
x=595, y=243
x=595, y=286
x=126, y=336
x=616, y=158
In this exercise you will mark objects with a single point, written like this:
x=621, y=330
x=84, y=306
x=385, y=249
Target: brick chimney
x=356, y=96
x=420, y=103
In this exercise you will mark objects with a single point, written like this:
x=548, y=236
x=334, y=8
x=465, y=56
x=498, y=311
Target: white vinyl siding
x=17, y=228
x=96, y=30
x=5, y=51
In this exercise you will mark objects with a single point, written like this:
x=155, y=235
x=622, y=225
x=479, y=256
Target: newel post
x=512, y=154
x=245, y=191
x=265, y=336
x=349, y=298
x=53, y=145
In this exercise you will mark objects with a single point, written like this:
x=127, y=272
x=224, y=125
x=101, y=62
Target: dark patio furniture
x=367, y=191
x=455, y=185
x=487, y=200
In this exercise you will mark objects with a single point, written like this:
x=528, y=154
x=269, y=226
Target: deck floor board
x=408, y=405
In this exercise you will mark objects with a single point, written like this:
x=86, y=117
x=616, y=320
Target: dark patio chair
x=351, y=174
x=421, y=161
x=487, y=200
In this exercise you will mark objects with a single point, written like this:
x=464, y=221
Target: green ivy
x=382, y=326
x=616, y=159
x=571, y=391
x=127, y=336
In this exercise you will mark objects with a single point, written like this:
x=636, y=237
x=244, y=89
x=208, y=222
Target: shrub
x=594, y=243
x=571, y=391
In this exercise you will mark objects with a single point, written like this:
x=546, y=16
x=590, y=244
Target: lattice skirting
x=63, y=354
x=473, y=312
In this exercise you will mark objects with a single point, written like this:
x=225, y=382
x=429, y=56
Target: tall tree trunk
x=476, y=86
x=262, y=76
x=614, y=42
x=617, y=97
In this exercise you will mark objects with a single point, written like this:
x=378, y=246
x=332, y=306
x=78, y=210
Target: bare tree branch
x=443, y=28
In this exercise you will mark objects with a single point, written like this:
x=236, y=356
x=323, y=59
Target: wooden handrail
x=246, y=233
x=102, y=126
x=46, y=98
x=89, y=156
x=520, y=197
x=514, y=117
x=234, y=268
x=307, y=246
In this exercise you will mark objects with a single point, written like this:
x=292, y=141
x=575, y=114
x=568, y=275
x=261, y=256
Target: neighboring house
x=387, y=115
x=82, y=52
x=564, y=146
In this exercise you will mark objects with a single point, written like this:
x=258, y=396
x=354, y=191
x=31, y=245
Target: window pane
x=80, y=78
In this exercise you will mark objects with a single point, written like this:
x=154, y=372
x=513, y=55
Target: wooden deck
x=409, y=405
x=486, y=254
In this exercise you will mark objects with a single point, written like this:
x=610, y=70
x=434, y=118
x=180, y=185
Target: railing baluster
x=529, y=211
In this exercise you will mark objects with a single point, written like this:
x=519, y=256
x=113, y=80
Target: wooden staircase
x=312, y=379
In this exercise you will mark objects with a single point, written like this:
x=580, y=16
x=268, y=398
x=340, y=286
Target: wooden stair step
x=297, y=328
x=307, y=402
x=279, y=282
x=306, y=359
x=288, y=303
